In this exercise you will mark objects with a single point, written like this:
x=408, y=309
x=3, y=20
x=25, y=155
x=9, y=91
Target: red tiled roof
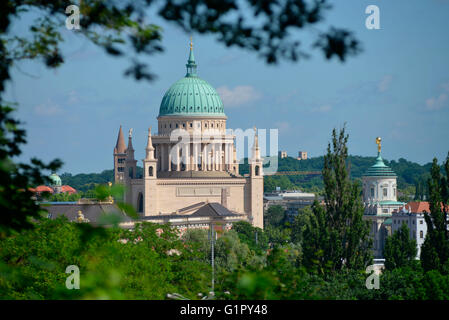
x=40, y=189
x=68, y=189
x=418, y=206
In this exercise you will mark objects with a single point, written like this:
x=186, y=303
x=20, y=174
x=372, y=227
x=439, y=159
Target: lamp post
x=212, y=256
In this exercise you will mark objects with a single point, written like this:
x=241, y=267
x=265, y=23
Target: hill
x=409, y=174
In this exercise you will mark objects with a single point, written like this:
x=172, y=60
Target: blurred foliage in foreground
x=153, y=260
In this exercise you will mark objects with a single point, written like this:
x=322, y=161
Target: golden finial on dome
x=191, y=43
x=378, y=140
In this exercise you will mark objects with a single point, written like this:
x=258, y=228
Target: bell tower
x=119, y=158
x=256, y=184
x=150, y=179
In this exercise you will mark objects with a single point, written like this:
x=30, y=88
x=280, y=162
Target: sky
x=397, y=88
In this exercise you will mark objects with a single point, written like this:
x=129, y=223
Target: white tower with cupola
x=380, y=200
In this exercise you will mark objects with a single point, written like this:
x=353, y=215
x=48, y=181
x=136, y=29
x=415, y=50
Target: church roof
x=120, y=147
x=40, y=189
x=213, y=210
x=191, y=96
x=67, y=188
x=93, y=212
x=379, y=169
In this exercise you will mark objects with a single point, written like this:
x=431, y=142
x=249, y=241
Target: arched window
x=150, y=171
x=421, y=234
x=257, y=169
x=140, y=203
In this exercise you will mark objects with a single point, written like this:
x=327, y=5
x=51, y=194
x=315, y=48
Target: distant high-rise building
x=302, y=155
x=283, y=154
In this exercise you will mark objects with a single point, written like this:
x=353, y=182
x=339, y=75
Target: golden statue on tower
x=378, y=140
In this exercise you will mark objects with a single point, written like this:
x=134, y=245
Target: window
x=121, y=160
x=385, y=192
x=421, y=234
x=131, y=173
x=120, y=169
x=177, y=126
x=150, y=171
x=257, y=170
x=394, y=221
x=385, y=210
x=190, y=125
x=420, y=221
x=140, y=203
x=372, y=192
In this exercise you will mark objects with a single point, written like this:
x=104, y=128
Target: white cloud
x=73, y=97
x=439, y=102
x=384, y=84
x=322, y=109
x=436, y=103
x=48, y=108
x=238, y=96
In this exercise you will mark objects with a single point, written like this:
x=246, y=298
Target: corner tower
x=119, y=158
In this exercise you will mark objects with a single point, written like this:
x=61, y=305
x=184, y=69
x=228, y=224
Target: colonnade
x=195, y=156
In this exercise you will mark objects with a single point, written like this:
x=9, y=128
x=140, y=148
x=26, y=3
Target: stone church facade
x=191, y=161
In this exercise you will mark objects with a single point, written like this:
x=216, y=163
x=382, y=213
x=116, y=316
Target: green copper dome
x=379, y=169
x=191, y=96
x=55, y=180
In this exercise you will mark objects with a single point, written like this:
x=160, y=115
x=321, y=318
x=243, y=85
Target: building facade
x=380, y=201
x=191, y=160
x=412, y=214
x=302, y=155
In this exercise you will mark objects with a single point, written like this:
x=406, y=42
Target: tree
x=435, y=249
x=400, y=250
x=275, y=216
x=300, y=223
x=337, y=238
x=254, y=237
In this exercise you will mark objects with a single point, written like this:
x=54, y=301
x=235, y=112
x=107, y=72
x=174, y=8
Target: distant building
x=291, y=201
x=54, y=187
x=380, y=200
x=302, y=155
x=413, y=215
x=282, y=154
x=200, y=216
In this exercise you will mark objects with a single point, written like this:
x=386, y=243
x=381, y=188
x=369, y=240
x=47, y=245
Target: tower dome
x=55, y=180
x=191, y=95
x=379, y=169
